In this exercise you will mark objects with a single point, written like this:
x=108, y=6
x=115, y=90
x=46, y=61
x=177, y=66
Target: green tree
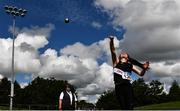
x=155, y=92
x=156, y=87
x=174, y=92
x=141, y=92
x=4, y=91
x=163, y=98
x=5, y=86
x=83, y=105
x=108, y=101
x=42, y=92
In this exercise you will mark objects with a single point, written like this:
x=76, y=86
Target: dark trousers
x=125, y=96
x=68, y=107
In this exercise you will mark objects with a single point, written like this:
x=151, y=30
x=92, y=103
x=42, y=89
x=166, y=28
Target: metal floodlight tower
x=13, y=11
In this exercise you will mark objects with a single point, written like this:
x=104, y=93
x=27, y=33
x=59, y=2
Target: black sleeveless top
x=126, y=67
x=66, y=102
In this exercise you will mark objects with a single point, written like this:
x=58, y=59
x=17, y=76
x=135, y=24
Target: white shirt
x=70, y=95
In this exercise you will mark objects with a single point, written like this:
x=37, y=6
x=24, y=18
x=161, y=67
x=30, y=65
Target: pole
x=12, y=76
x=14, y=11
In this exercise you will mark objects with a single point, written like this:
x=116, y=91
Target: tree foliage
x=46, y=92
x=107, y=101
x=174, y=92
x=83, y=105
x=39, y=92
x=5, y=90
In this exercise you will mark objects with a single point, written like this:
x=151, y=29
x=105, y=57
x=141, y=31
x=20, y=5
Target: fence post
x=29, y=107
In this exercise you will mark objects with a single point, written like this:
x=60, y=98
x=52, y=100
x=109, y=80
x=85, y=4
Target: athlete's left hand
x=146, y=65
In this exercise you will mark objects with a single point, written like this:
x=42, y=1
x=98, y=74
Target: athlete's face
x=123, y=57
x=68, y=88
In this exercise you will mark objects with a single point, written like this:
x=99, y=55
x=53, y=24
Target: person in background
x=123, y=66
x=67, y=99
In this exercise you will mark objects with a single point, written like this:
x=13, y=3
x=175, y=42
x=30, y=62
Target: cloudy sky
x=79, y=51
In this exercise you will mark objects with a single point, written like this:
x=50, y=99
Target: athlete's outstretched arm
x=140, y=72
x=135, y=62
x=113, y=53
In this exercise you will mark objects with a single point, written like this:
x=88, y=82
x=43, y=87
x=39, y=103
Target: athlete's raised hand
x=111, y=37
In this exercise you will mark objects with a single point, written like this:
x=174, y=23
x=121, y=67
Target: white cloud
x=96, y=25
x=94, y=51
x=163, y=69
x=34, y=41
x=111, y=4
x=1, y=77
x=83, y=51
x=27, y=44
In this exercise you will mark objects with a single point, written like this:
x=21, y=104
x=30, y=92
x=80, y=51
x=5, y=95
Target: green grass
x=7, y=108
x=4, y=108
x=162, y=106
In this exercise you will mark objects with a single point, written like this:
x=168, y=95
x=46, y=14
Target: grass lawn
x=4, y=108
x=7, y=108
x=162, y=106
